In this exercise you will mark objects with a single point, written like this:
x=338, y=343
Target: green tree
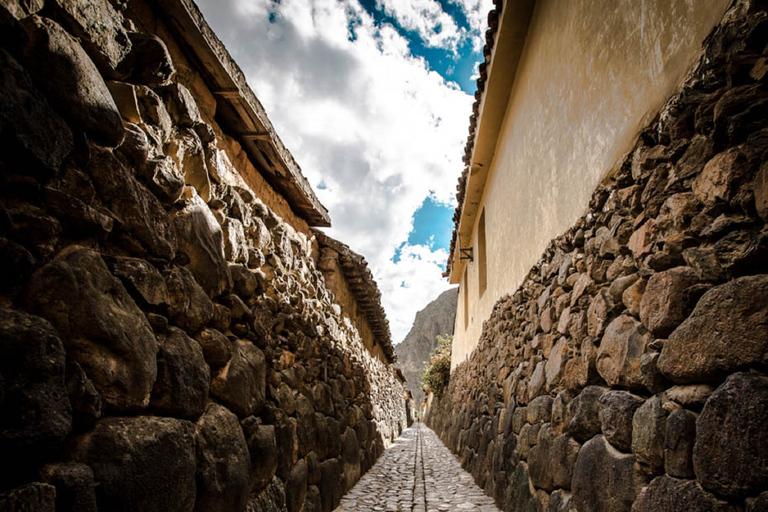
x=437, y=372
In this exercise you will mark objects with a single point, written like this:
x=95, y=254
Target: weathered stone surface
x=678, y=443
x=74, y=486
x=296, y=487
x=692, y=395
x=518, y=489
x=241, y=384
x=621, y=349
x=39, y=138
x=35, y=414
x=331, y=484
x=217, y=349
x=155, y=120
x=633, y=297
x=190, y=308
x=235, y=244
x=77, y=218
x=181, y=105
x=187, y=151
x=183, y=378
x=585, y=413
x=142, y=280
x=616, y=414
x=223, y=462
x=141, y=216
x=142, y=463
x=727, y=330
x=605, y=480
x=87, y=405
x=539, y=410
x=66, y=74
x=162, y=177
x=34, y=497
x=350, y=458
x=551, y=462
x=102, y=328
x=100, y=27
x=148, y=62
x=720, y=176
x=732, y=437
x=648, y=430
x=262, y=447
x=662, y=308
x=200, y=238
x=561, y=501
x=271, y=499
x=665, y=494
x=760, y=189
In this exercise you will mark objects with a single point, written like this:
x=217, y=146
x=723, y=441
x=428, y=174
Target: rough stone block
x=621, y=350
x=221, y=487
x=662, y=308
x=732, y=438
x=241, y=384
x=102, y=328
x=142, y=463
x=62, y=69
x=648, y=431
x=618, y=410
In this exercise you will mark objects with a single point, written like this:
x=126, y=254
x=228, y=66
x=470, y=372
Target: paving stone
x=417, y=474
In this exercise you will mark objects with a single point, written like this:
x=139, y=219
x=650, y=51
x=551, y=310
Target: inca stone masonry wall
x=628, y=372
x=166, y=340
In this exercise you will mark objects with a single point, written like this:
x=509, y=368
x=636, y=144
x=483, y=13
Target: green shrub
x=437, y=372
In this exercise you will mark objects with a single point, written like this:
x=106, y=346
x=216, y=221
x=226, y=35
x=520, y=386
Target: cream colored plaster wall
x=592, y=73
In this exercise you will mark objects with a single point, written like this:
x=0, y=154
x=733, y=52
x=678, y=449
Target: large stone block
x=678, y=443
x=30, y=129
x=148, y=62
x=665, y=494
x=200, y=238
x=100, y=27
x=605, y=480
x=663, y=308
x=648, y=430
x=34, y=497
x=75, y=490
x=183, y=378
x=616, y=414
x=144, y=226
x=70, y=80
x=241, y=384
x=190, y=308
x=141, y=463
x=732, y=438
x=585, y=413
x=727, y=330
x=262, y=447
x=102, y=328
x=621, y=351
x=223, y=462
x=551, y=462
x=35, y=414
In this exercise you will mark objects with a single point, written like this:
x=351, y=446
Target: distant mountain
x=412, y=354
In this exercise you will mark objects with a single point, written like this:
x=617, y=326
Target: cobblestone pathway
x=417, y=474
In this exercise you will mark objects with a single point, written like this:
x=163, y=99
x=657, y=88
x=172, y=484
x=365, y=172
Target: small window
x=481, y=262
x=466, y=297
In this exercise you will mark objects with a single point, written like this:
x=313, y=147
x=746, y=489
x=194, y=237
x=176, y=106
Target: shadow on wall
x=628, y=370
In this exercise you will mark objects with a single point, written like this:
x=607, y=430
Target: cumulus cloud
x=427, y=18
x=374, y=130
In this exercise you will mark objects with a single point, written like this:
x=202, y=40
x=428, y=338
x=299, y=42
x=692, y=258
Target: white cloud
x=476, y=12
x=364, y=117
x=427, y=18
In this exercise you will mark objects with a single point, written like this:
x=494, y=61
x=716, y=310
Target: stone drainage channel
x=417, y=474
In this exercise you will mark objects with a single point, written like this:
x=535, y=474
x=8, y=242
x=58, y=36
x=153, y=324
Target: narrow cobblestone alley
x=417, y=474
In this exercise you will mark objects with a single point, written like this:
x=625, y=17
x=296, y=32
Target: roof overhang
x=238, y=109
x=502, y=68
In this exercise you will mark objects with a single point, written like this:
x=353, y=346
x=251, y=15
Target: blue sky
x=372, y=98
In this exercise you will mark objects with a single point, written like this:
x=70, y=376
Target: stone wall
x=628, y=370
x=166, y=340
